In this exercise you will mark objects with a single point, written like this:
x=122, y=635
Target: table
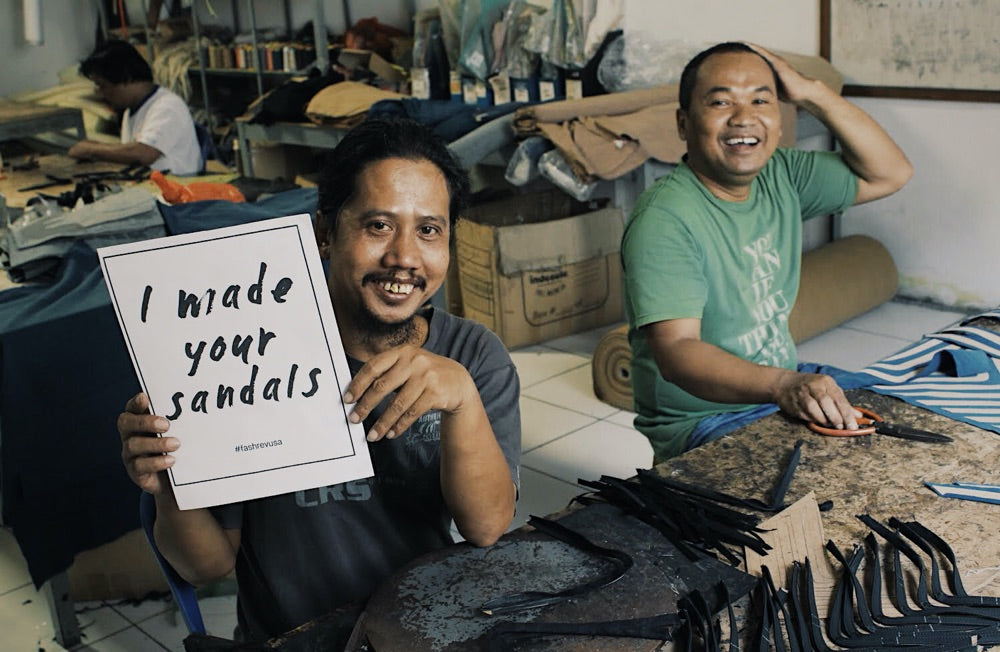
x=20, y=119
x=57, y=165
x=289, y=133
x=880, y=476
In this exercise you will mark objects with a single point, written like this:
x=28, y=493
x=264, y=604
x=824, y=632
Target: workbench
x=288, y=133
x=21, y=119
x=15, y=182
x=876, y=475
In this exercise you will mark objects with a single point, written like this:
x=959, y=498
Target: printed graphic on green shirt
x=771, y=307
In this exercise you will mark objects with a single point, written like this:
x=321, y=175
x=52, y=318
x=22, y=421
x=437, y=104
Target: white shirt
x=164, y=123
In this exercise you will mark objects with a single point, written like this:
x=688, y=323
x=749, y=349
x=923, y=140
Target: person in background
x=438, y=396
x=156, y=126
x=712, y=252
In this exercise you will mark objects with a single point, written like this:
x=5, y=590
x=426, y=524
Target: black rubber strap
x=931, y=544
x=694, y=524
x=776, y=504
x=657, y=628
x=962, y=614
x=620, y=561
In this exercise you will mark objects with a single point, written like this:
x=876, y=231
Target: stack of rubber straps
x=694, y=519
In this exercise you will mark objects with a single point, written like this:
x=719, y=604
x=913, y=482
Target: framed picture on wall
x=942, y=50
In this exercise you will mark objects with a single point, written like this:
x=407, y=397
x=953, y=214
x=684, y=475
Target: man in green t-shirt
x=712, y=252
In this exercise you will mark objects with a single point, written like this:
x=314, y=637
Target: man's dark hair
x=690, y=74
x=377, y=139
x=118, y=62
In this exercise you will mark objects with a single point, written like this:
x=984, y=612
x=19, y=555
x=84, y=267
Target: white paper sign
x=234, y=340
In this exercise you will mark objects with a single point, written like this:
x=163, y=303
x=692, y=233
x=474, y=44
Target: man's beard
x=374, y=330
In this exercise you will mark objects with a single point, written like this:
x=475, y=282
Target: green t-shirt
x=733, y=265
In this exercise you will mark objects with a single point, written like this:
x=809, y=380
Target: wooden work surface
x=878, y=475
x=56, y=165
x=65, y=167
x=19, y=119
x=881, y=476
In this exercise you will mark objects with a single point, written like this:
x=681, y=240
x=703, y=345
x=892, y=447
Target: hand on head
x=793, y=86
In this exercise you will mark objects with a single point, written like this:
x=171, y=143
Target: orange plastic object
x=177, y=193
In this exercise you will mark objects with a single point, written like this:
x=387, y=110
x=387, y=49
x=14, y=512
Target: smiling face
x=733, y=123
x=390, y=252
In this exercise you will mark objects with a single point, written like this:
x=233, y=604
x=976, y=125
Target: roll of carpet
x=611, y=368
x=840, y=280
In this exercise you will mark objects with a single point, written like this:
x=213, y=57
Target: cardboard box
x=368, y=60
x=272, y=160
x=530, y=273
x=122, y=569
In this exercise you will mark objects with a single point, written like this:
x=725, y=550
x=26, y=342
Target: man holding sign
x=437, y=394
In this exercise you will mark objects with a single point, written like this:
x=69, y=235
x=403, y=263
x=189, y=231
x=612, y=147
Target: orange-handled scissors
x=872, y=423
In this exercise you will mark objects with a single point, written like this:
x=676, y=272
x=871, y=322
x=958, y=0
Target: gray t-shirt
x=306, y=553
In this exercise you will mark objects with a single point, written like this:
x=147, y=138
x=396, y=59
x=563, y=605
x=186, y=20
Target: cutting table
x=21, y=119
x=877, y=475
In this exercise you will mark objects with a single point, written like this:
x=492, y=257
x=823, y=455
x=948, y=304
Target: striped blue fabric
x=955, y=372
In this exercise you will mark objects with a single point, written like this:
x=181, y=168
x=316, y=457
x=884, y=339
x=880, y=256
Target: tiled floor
x=568, y=434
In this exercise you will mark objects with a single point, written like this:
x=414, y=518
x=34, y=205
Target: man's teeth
x=745, y=140
x=398, y=288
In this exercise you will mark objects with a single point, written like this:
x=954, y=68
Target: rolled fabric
x=345, y=104
x=840, y=280
x=527, y=118
x=611, y=368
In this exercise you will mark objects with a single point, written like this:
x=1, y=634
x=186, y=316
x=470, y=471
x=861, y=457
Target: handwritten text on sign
x=234, y=340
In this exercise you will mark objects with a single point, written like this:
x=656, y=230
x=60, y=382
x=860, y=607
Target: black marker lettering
x=176, y=398
x=145, y=302
x=195, y=356
x=256, y=290
x=312, y=379
x=281, y=289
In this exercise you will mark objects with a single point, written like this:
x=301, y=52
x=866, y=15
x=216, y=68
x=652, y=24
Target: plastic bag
x=477, y=51
x=522, y=167
x=553, y=166
x=520, y=60
x=638, y=60
x=578, y=28
x=451, y=29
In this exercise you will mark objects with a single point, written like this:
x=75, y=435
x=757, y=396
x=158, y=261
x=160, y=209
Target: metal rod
x=201, y=66
x=346, y=7
x=256, y=52
x=103, y=16
x=319, y=37
x=149, y=34
x=234, y=6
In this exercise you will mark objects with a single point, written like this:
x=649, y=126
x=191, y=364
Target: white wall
x=767, y=22
x=943, y=228
x=68, y=28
